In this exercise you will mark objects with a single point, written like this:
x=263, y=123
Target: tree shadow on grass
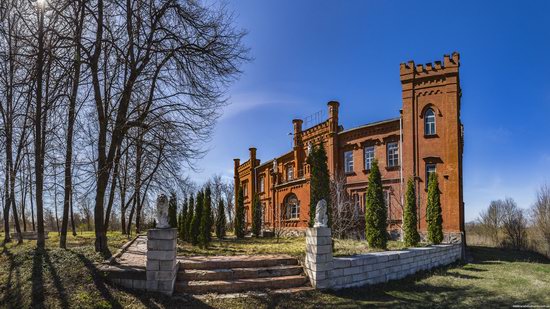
x=489, y=255
x=12, y=292
x=41, y=259
x=98, y=281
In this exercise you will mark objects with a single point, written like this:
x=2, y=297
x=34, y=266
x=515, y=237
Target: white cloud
x=244, y=101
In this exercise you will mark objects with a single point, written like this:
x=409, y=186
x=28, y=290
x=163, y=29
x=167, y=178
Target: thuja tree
x=173, y=210
x=189, y=218
x=319, y=182
x=239, y=215
x=196, y=222
x=220, y=220
x=375, y=210
x=433, y=211
x=182, y=220
x=411, y=236
x=256, y=216
x=206, y=219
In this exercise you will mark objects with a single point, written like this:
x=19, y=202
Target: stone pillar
x=162, y=265
x=319, y=256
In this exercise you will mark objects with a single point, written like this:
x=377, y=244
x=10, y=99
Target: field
x=68, y=278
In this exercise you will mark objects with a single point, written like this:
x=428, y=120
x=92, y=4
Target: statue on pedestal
x=162, y=212
x=321, y=218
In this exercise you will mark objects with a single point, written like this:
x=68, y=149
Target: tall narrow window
x=245, y=188
x=292, y=207
x=369, y=157
x=393, y=154
x=289, y=173
x=348, y=161
x=429, y=122
x=262, y=184
x=430, y=169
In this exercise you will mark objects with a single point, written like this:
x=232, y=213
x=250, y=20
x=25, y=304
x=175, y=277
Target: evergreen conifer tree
x=182, y=220
x=239, y=215
x=433, y=211
x=196, y=222
x=319, y=182
x=220, y=220
x=206, y=220
x=189, y=218
x=375, y=210
x=173, y=210
x=411, y=236
x=256, y=216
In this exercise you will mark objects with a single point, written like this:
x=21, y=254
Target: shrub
x=196, y=222
x=189, y=218
x=173, y=210
x=220, y=220
x=182, y=220
x=433, y=211
x=411, y=236
x=256, y=216
x=375, y=210
x=239, y=215
x=206, y=220
x=319, y=182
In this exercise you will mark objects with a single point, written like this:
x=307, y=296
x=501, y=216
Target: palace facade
x=427, y=137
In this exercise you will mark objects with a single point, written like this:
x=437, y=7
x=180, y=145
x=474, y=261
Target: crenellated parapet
x=411, y=71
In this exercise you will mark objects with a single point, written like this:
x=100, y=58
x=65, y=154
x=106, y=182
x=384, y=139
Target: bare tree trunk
x=30, y=193
x=113, y=189
x=38, y=143
x=72, y=215
x=70, y=127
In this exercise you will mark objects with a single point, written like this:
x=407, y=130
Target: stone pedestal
x=319, y=260
x=162, y=265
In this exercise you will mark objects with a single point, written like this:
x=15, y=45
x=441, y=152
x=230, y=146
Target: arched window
x=429, y=122
x=292, y=206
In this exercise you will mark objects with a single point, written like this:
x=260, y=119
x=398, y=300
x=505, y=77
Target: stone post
x=319, y=261
x=162, y=265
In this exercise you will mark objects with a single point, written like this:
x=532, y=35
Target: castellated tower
x=432, y=135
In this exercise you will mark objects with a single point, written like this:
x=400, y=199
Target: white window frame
x=429, y=122
x=348, y=162
x=392, y=149
x=289, y=172
x=430, y=169
x=368, y=159
x=262, y=183
x=292, y=210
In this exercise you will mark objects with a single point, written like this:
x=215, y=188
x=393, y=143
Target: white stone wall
x=373, y=268
x=326, y=272
x=161, y=265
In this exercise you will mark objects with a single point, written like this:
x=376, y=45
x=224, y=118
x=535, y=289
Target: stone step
x=238, y=273
x=242, y=261
x=240, y=285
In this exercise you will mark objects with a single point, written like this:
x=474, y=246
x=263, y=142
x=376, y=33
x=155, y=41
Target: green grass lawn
x=294, y=246
x=68, y=278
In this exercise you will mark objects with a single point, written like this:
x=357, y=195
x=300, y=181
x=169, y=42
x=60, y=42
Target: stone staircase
x=236, y=274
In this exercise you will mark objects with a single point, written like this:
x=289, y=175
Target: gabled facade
x=426, y=137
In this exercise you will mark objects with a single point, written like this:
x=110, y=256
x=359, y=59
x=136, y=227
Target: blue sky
x=307, y=53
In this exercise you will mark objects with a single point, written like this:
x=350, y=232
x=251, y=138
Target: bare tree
x=346, y=212
x=541, y=214
x=492, y=220
x=514, y=224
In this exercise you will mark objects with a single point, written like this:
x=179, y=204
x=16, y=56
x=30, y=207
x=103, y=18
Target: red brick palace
x=426, y=137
